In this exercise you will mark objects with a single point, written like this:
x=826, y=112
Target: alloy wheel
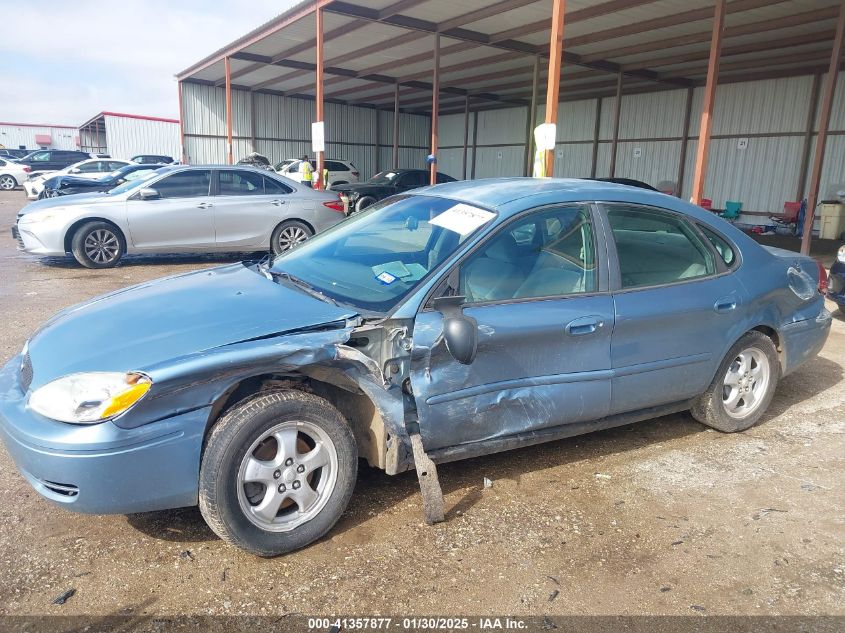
x=745, y=383
x=7, y=183
x=287, y=476
x=291, y=236
x=101, y=246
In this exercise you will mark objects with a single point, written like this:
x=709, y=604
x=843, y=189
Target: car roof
x=499, y=193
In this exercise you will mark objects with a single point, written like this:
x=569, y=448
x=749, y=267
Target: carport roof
x=488, y=48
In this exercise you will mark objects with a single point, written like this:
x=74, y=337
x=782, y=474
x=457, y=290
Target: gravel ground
x=662, y=517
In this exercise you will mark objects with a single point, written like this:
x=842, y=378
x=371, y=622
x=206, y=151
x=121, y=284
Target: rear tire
x=98, y=245
x=7, y=182
x=310, y=472
x=364, y=202
x=288, y=234
x=743, y=387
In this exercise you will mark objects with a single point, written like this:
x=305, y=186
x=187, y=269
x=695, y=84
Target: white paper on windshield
x=462, y=218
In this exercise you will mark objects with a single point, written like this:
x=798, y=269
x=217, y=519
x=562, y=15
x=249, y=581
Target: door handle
x=204, y=205
x=724, y=305
x=277, y=203
x=584, y=325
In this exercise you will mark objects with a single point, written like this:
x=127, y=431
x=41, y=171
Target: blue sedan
x=458, y=320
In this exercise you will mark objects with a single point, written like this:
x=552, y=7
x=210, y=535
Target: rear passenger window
x=656, y=247
x=546, y=254
x=725, y=250
x=273, y=187
x=240, y=183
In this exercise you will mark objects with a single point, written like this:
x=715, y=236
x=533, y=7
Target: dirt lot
x=664, y=517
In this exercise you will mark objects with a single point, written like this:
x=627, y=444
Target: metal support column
x=682, y=164
x=319, y=95
x=616, y=112
x=183, y=155
x=227, y=64
x=466, y=134
x=596, y=134
x=396, y=126
x=703, y=148
x=553, y=85
x=435, y=103
x=531, y=119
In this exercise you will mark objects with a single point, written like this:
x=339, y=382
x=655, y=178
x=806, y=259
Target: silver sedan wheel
x=745, y=383
x=101, y=246
x=7, y=183
x=287, y=476
x=290, y=236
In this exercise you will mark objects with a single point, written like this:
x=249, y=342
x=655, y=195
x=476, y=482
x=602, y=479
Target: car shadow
x=376, y=492
x=154, y=260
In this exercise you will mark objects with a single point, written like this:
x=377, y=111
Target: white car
x=91, y=168
x=12, y=174
x=341, y=172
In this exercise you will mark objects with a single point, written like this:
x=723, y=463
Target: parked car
x=152, y=159
x=178, y=209
x=53, y=159
x=256, y=160
x=14, y=153
x=341, y=172
x=386, y=183
x=836, y=280
x=89, y=168
x=12, y=174
x=69, y=185
x=454, y=321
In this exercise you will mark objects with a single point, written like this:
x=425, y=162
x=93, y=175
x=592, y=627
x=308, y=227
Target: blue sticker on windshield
x=386, y=278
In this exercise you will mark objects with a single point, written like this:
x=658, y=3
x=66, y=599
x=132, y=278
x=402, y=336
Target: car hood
x=158, y=321
x=80, y=198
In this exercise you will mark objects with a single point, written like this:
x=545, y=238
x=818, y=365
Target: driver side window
x=548, y=253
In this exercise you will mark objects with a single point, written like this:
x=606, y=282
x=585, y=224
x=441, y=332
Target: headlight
x=840, y=255
x=90, y=397
x=37, y=216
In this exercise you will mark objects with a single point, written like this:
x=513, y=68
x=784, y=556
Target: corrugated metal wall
x=15, y=136
x=126, y=137
x=283, y=130
x=769, y=116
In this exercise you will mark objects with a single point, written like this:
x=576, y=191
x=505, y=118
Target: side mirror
x=148, y=193
x=459, y=330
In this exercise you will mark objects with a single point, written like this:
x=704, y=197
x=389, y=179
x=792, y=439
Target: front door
x=544, y=332
x=180, y=218
x=677, y=304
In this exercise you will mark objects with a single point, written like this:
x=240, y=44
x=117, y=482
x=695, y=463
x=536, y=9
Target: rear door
x=181, y=218
x=411, y=180
x=537, y=292
x=677, y=306
x=247, y=207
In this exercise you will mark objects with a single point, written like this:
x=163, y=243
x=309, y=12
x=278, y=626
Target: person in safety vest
x=307, y=172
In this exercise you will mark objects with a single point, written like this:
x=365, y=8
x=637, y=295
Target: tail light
x=356, y=174
x=27, y=169
x=335, y=205
x=822, y=278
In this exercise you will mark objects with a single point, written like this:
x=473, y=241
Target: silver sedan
x=179, y=209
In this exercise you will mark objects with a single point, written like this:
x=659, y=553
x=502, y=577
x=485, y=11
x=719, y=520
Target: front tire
x=7, y=182
x=277, y=472
x=98, y=245
x=743, y=387
x=288, y=234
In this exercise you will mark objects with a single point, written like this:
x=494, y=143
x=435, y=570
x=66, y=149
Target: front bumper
x=39, y=238
x=802, y=340
x=32, y=189
x=102, y=468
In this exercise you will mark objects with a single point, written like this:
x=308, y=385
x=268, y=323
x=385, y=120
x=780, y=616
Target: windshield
x=131, y=184
x=376, y=258
x=383, y=178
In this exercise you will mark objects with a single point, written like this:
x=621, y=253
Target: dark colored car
x=628, y=182
x=66, y=185
x=385, y=184
x=152, y=159
x=836, y=280
x=14, y=154
x=52, y=159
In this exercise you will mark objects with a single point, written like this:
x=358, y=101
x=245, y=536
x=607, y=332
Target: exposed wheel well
x=76, y=225
x=773, y=334
x=357, y=408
